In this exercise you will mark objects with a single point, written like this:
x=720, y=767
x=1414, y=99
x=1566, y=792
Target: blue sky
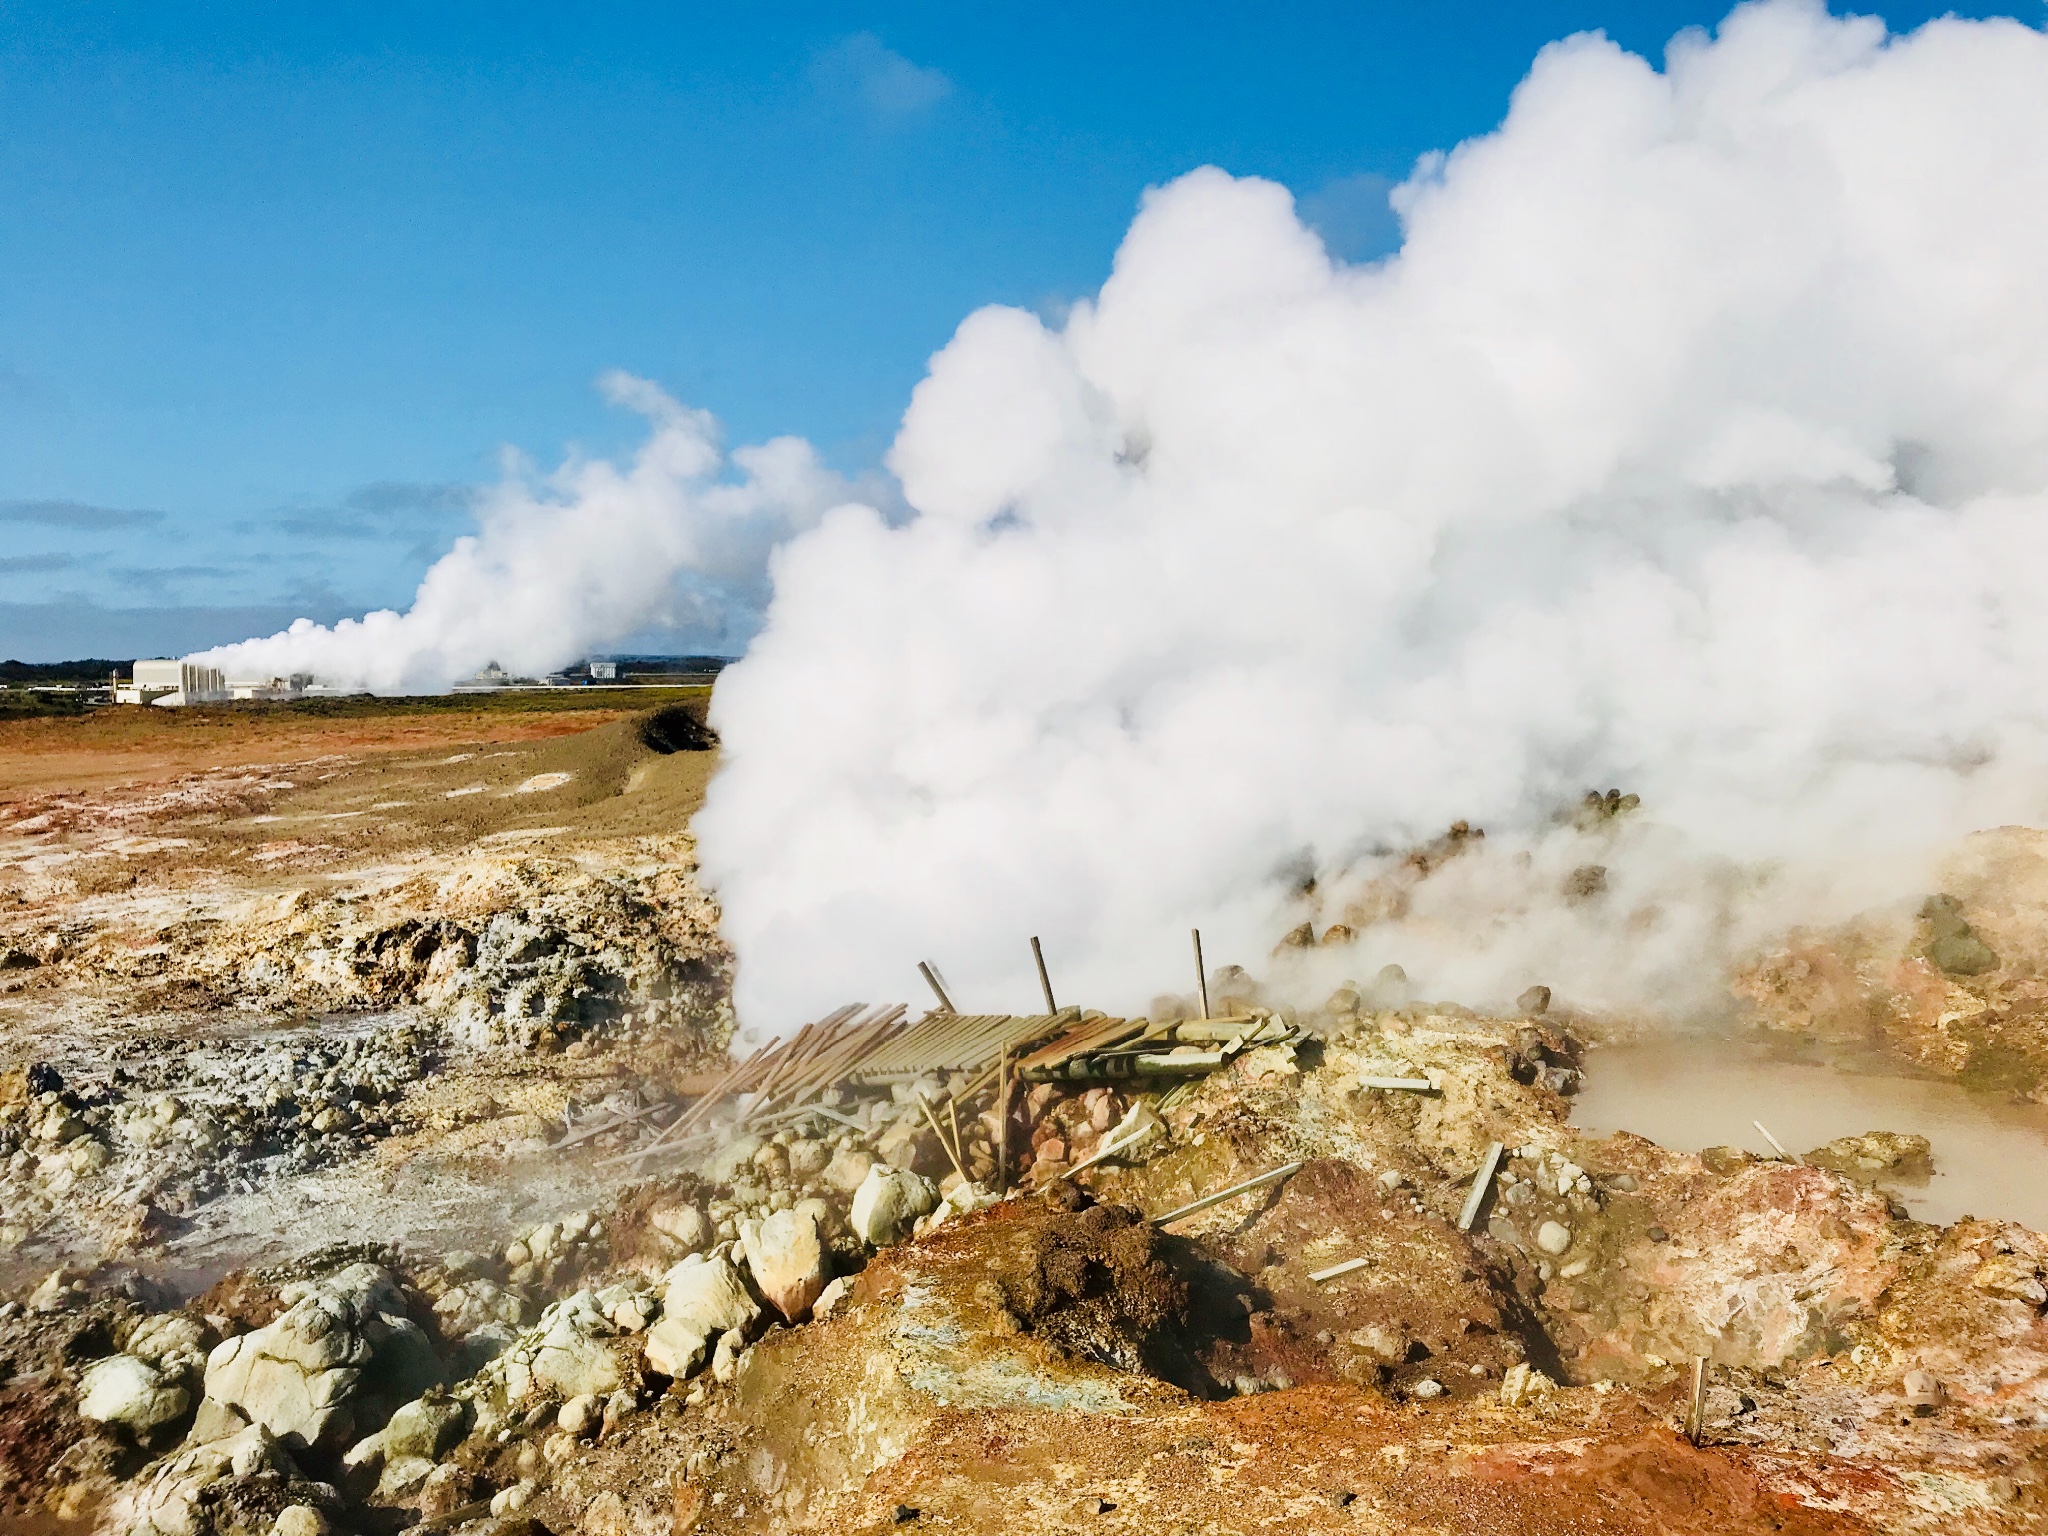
x=277, y=283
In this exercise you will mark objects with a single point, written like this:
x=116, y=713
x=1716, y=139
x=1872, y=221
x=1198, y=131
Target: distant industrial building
x=172, y=683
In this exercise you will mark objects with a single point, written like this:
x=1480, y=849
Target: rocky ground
x=322, y=1085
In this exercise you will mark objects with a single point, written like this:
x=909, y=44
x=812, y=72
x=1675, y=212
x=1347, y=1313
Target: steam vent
x=799, y=771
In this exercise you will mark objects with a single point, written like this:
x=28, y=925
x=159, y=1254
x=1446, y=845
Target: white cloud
x=886, y=83
x=1260, y=560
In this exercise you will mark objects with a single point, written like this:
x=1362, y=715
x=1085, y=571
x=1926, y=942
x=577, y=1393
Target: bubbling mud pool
x=1990, y=1155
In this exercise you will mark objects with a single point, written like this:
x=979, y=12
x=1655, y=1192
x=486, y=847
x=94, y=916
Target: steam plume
x=1696, y=440
x=586, y=555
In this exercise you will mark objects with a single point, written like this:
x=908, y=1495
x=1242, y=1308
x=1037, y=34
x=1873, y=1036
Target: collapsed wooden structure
x=860, y=1049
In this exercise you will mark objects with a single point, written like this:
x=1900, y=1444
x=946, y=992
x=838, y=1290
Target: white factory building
x=172, y=683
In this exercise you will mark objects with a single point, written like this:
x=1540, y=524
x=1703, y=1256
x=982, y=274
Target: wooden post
x=1696, y=1412
x=1044, y=981
x=1003, y=1121
x=1779, y=1145
x=1481, y=1182
x=945, y=1146
x=932, y=980
x=1201, y=974
x=1222, y=1195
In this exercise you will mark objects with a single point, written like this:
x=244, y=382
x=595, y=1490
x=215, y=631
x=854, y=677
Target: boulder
x=679, y=1228
x=330, y=1364
x=726, y=1164
x=569, y=1352
x=124, y=1390
x=910, y=1145
x=848, y=1168
x=808, y=1159
x=171, y=1341
x=789, y=1262
x=701, y=1299
x=428, y=1426
x=173, y=1503
x=888, y=1202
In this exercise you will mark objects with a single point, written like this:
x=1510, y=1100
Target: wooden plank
x=1482, y=1181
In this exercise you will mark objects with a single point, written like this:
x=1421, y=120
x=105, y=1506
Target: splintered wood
x=859, y=1047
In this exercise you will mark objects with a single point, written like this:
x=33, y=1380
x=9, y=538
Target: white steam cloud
x=1696, y=441
x=565, y=562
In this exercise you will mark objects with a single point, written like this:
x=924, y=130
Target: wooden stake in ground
x=932, y=980
x=1481, y=1182
x=1787, y=1156
x=1003, y=1121
x=1696, y=1412
x=1044, y=981
x=933, y=1121
x=1201, y=973
x=1221, y=1195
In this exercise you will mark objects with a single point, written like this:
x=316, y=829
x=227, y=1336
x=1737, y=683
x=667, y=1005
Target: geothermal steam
x=586, y=555
x=1696, y=441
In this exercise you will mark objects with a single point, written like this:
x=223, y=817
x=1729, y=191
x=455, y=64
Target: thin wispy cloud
x=883, y=80
x=380, y=510
x=15, y=565
x=75, y=514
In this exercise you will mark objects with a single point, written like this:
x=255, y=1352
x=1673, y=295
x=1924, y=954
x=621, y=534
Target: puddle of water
x=1990, y=1155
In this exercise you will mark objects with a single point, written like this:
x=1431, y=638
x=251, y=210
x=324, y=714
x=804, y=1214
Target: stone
x=1553, y=1237
x=832, y=1298
x=1522, y=1383
x=124, y=1390
x=570, y=1352
x=808, y=1159
x=605, y=1515
x=172, y=1503
x=2011, y=1277
x=888, y=1202
x=725, y=1360
x=789, y=1262
x=445, y=1490
x=1923, y=1392
x=701, y=1299
x=509, y=1501
x=736, y=1154
x=170, y=1341
x=619, y=1407
x=579, y=1415
x=215, y=1420
x=300, y=1520
x=1427, y=1388
x=910, y=1145
x=429, y=1426
x=341, y=1339
x=679, y=1228
x=849, y=1166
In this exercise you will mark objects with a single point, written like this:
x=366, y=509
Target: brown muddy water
x=1990, y=1154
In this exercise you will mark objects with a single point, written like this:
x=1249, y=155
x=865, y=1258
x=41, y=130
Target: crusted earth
x=328, y=1206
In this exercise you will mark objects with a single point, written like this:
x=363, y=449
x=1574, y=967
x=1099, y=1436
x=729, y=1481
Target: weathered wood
x=1044, y=981
x=1320, y=1275
x=1285, y=1170
x=1787, y=1156
x=1201, y=973
x=932, y=980
x=1482, y=1181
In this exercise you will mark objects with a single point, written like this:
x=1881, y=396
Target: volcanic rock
x=888, y=1201
x=788, y=1260
x=124, y=1390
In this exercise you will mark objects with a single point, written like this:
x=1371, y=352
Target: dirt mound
x=677, y=728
